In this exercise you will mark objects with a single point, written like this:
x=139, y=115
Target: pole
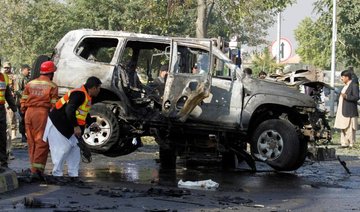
x=278, y=37
x=333, y=61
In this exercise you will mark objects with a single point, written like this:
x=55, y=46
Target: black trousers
x=3, y=126
x=21, y=122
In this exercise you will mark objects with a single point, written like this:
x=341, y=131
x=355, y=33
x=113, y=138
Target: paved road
x=135, y=183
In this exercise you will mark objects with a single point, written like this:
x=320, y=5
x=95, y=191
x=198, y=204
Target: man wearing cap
x=66, y=124
x=22, y=79
x=39, y=96
x=5, y=97
x=160, y=80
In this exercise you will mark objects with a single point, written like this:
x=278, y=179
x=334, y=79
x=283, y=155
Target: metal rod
x=278, y=37
x=333, y=61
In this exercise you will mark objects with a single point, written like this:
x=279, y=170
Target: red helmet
x=47, y=67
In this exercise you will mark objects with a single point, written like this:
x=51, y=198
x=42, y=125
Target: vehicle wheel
x=35, y=71
x=229, y=160
x=109, y=134
x=303, y=150
x=167, y=158
x=277, y=142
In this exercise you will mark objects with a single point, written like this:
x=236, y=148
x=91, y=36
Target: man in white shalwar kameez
x=66, y=123
x=347, y=115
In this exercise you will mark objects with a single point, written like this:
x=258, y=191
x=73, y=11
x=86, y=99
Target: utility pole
x=333, y=61
x=278, y=38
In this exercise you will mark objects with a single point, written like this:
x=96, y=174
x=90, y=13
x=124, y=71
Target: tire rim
x=98, y=138
x=270, y=144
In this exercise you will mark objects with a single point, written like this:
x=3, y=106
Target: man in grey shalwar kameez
x=347, y=114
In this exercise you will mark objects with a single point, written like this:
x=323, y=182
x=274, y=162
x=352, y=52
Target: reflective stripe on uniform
x=38, y=166
x=4, y=81
x=41, y=82
x=53, y=101
x=84, y=108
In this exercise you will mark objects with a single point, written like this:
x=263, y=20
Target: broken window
x=222, y=68
x=97, y=49
x=193, y=60
x=147, y=57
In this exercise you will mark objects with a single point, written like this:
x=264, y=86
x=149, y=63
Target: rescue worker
x=21, y=81
x=10, y=115
x=5, y=96
x=66, y=124
x=39, y=96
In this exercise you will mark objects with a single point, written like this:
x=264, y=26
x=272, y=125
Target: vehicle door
x=185, y=89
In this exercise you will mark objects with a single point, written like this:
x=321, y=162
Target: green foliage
x=142, y=16
x=314, y=43
x=247, y=19
x=314, y=37
x=33, y=27
x=264, y=61
x=30, y=28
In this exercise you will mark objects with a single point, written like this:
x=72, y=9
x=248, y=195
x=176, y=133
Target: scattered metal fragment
x=254, y=205
x=31, y=202
x=315, y=186
x=179, y=201
x=170, y=192
x=246, y=156
x=106, y=208
x=343, y=163
x=234, y=200
x=156, y=210
x=108, y=193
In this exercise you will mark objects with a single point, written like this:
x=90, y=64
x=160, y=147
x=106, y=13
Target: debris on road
x=234, y=200
x=180, y=201
x=108, y=193
x=169, y=192
x=343, y=163
x=31, y=202
x=156, y=210
x=203, y=184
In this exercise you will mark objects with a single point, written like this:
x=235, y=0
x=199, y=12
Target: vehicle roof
x=109, y=33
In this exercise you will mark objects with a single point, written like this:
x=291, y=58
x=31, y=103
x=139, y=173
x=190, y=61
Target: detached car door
x=186, y=88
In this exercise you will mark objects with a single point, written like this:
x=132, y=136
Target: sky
x=291, y=18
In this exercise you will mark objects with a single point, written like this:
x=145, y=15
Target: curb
x=8, y=180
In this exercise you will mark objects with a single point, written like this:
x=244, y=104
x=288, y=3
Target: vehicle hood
x=254, y=86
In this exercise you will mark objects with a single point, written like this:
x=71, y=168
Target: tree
x=33, y=27
x=314, y=37
x=200, y=18
x=30, y=28
x=264, y=61
x=249, y=20
x=162, y=17
x=314, y=43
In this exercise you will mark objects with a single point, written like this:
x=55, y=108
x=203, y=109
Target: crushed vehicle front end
x=282, y=123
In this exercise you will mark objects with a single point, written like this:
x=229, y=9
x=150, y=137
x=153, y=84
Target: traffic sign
x=285, y=49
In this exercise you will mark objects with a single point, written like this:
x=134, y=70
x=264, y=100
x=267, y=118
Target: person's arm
x=89, y=120
x=24, y=97
x=10, y=99
x=54, y=96
x=353, y=95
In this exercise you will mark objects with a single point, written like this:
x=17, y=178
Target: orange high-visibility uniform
x=84, y=108
x=39, y=96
